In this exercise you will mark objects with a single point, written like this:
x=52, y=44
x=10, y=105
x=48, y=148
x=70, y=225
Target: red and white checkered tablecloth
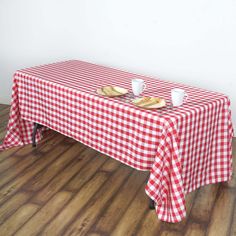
x=183, y=148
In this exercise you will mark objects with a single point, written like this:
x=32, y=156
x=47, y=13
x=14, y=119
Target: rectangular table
x=183, y=148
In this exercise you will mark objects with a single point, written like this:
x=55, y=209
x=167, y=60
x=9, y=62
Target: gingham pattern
x=183, y=148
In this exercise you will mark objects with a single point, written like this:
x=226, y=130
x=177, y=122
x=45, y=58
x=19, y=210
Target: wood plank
x=3, y=125
x=109, y=166
x=18, y=219
x=3, y=106
x=123, y=198
x=98, y=203
x=233, y=222
x=171, y=233
x=4, y=117
x=46, y=144
x=47, y=174
x=9, y=162
x=44, y=215
x=13, y=186
x=85, y=174
x=13, y=204
x=204, y=202
x=8, y=153
x=4, y=113
x=195, y=229
x=97, y=234
x=150, y=225
x=75, y=205
x=22, y=151
x=27, y=149
x=234, y=145
x=62, y=178
x=2, y=135
x=222, y=213
x=134, y=214
x=24, y=162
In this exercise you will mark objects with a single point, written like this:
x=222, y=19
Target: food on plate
x=149, y=102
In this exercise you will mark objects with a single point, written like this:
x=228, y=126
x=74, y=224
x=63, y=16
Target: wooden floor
x=65, y=188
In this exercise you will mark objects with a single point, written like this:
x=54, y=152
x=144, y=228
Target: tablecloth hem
x=41, y=136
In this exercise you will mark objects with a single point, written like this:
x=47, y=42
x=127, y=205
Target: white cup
x=178, y=97
x=138, y=85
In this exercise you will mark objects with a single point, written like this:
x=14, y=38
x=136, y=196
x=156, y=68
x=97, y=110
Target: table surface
x=183, y=148
x=87, y=77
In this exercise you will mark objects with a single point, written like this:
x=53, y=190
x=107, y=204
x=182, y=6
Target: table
x=183, y=148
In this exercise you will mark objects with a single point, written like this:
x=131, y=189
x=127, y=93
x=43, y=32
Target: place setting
x=178, y=96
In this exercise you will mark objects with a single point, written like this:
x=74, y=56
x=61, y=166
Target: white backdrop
x=193, y=42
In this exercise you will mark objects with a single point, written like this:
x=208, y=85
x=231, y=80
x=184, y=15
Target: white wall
x=188, y=41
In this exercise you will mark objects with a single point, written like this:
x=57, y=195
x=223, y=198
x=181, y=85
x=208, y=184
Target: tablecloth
x=183, y=148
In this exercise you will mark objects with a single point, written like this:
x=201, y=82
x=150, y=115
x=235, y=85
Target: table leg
x=36, y=127
x=151, y=204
